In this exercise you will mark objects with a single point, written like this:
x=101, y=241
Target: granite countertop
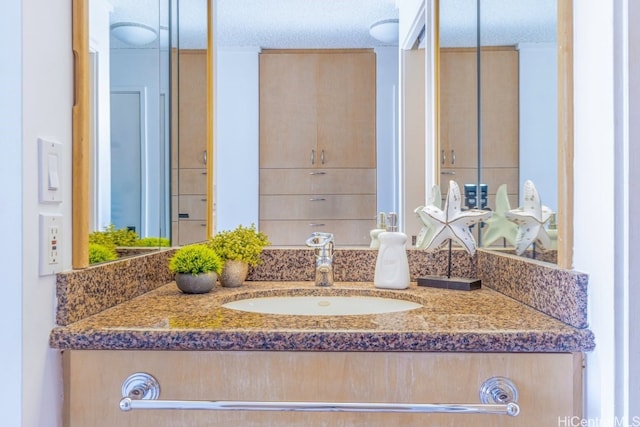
x=476, y=321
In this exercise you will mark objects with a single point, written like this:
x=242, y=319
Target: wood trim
x=80, y=145
x=210, y=118
x=436, y=124
x=565, y=134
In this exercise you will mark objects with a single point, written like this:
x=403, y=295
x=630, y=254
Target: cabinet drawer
x=319, y=181
x=191, y=207
x=192, y=181
x=191, y=231
x=294, y=233
x=318, y=206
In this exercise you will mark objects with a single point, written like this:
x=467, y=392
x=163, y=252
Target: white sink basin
x=322, y=305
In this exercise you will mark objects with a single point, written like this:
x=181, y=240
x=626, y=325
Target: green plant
x=241, y=244
x=112, y=237
x=101, y=253
x=195, y=259
x=150, y=242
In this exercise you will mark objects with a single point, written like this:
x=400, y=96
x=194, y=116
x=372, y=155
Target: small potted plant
x=239, y=249
x=196, y=268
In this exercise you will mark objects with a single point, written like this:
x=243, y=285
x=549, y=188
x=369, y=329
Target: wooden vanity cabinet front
x=549, y=386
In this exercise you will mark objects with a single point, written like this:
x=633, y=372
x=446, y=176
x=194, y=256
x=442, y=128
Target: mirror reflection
x=239, y=178
x=306, y=119
x=148, y=86
x=129, y=132
x=503, y=131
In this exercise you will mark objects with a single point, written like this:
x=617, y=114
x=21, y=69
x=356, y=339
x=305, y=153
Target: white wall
x=594, y=233
x=387, y=128
x=538, y=116
x=237, y=159
x=631, y=297
x=47, y=97
x=11, y=214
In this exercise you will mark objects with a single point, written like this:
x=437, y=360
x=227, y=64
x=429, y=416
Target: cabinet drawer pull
x=447, y=172
x=317, y=224
x=317, y=199
x=498, y=396
x=317, y=173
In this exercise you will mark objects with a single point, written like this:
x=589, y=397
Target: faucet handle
x=322, y=242
x=319, y=239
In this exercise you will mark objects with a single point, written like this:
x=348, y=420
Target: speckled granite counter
x=453, y=321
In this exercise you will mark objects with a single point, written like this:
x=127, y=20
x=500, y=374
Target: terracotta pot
x=198, y=284
x=234, y=273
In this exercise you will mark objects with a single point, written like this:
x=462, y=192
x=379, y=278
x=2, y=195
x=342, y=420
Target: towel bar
x=498, y=395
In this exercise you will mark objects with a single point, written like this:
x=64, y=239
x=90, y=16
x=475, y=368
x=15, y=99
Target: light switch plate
x=50, y=239
x=49, y=170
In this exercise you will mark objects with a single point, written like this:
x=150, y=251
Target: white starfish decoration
x=498, y=226
x=451, y=223
x=530, y=218
x=435, y=199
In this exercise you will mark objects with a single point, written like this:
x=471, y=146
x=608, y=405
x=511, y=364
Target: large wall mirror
x=213, y=173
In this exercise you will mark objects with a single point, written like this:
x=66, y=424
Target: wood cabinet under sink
x=549, y=386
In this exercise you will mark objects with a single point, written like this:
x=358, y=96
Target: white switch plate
x=50, y=239
x=49, y=170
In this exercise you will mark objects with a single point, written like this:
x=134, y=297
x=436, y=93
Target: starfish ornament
x=530, y=218
x=451, y=223
x=498, y=226
x=434, y=199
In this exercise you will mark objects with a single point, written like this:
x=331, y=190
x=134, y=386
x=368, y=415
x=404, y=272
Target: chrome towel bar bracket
x=498, y=395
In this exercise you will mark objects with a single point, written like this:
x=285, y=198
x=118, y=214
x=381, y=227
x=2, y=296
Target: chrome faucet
x=322, y=243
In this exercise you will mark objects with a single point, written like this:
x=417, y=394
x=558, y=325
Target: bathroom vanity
x=441, y=352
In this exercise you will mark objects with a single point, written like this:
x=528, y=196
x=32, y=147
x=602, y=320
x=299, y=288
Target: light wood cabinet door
x=347, y=110
x=318, y=110
x=288, y=110
x=549, y=386
x=189, y=147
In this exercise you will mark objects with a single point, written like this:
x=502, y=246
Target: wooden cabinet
x=317, y=144
x=189, y=148
x=549, y=386
x=459, y=119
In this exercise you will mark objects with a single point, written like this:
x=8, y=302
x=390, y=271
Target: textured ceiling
x=340, y=23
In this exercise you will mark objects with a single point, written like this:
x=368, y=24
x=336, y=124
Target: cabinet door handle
x=498, y=395
x=453, y=157
x=322, y=157
x=204, y=157
x=443, y=157
x=317, y=199
x=313, y=156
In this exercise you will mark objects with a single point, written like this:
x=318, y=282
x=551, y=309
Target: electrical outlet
x=50, y=239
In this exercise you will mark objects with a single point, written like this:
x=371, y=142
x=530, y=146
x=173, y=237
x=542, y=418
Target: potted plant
x=239, y=249
x=196, y=268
